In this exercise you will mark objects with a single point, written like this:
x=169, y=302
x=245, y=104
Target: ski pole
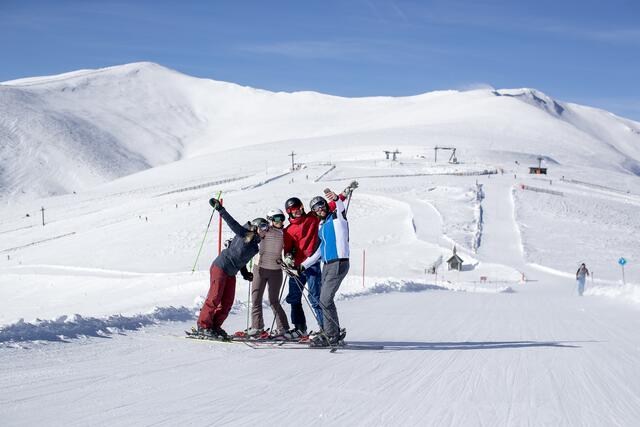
x=220, y=231
x=205, y=236
x=249, y=296
x=346, y=210
x=321, y=305
x=284, y=280
x=301, y=287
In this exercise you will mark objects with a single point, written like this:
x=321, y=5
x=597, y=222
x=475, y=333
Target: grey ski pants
x=261, y=278
x=332, y=276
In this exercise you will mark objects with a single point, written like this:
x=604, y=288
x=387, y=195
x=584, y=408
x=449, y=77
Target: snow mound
x=628, y=292
x=385, y=286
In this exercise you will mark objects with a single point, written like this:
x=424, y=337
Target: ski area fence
x=540, y=190
x=206, y=184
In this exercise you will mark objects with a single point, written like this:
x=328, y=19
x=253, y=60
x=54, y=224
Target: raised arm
x=232, y=223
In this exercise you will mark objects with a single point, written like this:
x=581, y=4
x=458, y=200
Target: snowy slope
x=73, y=131
x=93, y=304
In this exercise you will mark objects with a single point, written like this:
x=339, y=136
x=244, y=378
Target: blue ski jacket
x=334, y=238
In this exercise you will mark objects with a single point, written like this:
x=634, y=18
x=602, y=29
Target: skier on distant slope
x=223, y=272
x=334, y=251
x=267, y=272
x=581, y=277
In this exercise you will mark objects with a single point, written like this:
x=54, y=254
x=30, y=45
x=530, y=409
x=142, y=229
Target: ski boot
x=202, y=333
x=252, y=333
x=294, y=335
x=279, y=335
x=320, y=340
x=221, y=334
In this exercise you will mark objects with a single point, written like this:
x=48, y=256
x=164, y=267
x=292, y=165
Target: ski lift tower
x=452, y=158
x=538, y=170
x=393, y=153
x=293, y=163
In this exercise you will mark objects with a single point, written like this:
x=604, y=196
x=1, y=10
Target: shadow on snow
x=466, y=345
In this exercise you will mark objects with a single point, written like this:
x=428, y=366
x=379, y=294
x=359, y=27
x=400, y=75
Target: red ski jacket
x=300, y=237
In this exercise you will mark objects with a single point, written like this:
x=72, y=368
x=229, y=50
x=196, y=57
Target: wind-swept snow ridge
x=76, y=326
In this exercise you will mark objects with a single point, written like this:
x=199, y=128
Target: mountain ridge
x=72, y=131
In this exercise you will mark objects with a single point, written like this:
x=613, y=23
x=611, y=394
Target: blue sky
x=579, y=51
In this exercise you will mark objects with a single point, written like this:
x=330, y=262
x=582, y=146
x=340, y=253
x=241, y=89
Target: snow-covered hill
x=93, y=304
x=76, y=130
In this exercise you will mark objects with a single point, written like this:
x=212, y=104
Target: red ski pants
x=222, y=291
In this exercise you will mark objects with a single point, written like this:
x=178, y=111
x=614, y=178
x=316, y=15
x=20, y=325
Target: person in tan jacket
x=267, y=273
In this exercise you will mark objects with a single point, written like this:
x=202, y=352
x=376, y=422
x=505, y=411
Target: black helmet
x=260, y=224
x=292, y=203
x=317, y=202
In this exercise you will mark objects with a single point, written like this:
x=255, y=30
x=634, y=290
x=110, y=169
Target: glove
x=215, y=204
x=300, y=269
x=246, y=275
x=288, y=261
x=347, y=191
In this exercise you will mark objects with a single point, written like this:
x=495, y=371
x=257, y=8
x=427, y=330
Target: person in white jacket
x=334, y=252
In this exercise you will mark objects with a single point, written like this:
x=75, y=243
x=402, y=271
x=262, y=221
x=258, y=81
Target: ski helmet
x=260, y=224
x=275, y=215
x=318, y=202
x=292, y=204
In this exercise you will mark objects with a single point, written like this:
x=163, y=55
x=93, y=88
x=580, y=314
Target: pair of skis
x=258, y=344
x=241, y=337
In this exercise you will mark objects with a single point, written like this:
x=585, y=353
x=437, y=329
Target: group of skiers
x=322, y=234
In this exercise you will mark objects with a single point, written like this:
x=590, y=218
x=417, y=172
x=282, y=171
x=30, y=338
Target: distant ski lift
x=538, y=170
x=452, y=159
x=393, y=153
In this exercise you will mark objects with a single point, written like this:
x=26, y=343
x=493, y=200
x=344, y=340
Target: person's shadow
x=461, y=345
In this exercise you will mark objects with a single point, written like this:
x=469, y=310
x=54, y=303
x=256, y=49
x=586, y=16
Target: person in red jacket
x=301, y=241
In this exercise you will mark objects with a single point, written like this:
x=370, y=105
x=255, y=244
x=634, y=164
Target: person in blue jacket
x=334, y=252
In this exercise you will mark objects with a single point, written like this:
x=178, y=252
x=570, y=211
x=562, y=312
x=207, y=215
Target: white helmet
x=275, y=214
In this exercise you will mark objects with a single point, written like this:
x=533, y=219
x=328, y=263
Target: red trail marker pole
x=220, y=232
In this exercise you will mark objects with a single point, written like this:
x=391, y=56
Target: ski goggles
x=263, y=227
x=319, y=207
x=293, y=209
x=277, y=218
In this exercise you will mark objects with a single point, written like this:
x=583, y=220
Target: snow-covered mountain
x=93, y=304
x=73, y=131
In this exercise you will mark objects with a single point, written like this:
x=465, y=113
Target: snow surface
x=93, y=304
